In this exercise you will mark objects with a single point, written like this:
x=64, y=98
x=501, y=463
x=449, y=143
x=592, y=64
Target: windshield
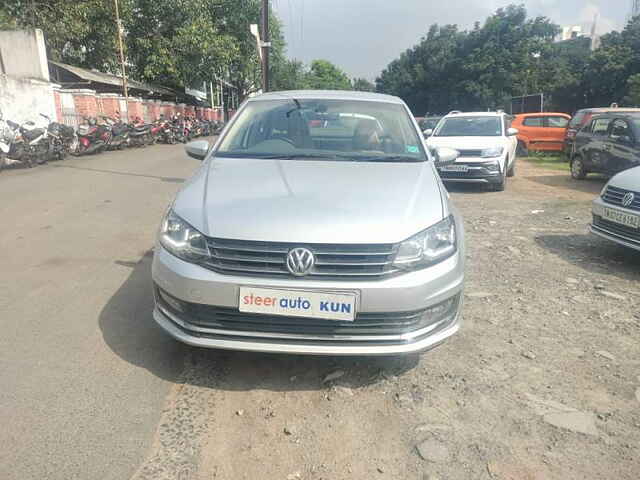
x=346, y=130
x=470, y=127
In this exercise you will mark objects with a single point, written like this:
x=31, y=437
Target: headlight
x=428, y=247
x=182, y=240
x=492, y=152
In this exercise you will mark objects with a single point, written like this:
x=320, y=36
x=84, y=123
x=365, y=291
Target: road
x=541, y=383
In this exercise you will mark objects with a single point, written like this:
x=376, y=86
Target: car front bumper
x=477, y=172
x=625, y=236
x=207, y=290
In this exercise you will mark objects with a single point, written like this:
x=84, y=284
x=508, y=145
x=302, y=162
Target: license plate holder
x=455, y=168
x=324, y=305
x=621, y=218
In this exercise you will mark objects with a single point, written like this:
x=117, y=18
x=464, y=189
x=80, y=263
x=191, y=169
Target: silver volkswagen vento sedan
x=317, y=224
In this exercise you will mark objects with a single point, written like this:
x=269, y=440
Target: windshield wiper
x=385, y=158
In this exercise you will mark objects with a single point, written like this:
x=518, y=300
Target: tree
x=79, y=33
x=633, y=85
x=363, y=85
x=288, y=75
x=324, y=75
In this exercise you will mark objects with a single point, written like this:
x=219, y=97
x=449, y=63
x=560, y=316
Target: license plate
x=299, y=303
x=455, y=168
x=622, y=218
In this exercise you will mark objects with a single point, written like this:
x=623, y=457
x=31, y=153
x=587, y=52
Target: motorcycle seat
x=32, y=134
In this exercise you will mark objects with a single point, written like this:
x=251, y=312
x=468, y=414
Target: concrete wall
x=25, y=99
x=23, y=54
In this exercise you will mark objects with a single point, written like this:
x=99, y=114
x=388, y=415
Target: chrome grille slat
x=238, y=257
x=614, y=195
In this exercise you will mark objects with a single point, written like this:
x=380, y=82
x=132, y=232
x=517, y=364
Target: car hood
x=311, y=201
x=466, y=143
x=627, y=179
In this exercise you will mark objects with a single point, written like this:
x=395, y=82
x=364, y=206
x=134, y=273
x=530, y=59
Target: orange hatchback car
x=541, y=131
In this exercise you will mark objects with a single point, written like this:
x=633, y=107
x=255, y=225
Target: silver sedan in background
x=317, y=224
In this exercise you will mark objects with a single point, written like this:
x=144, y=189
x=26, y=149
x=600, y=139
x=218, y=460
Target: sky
x=363, y=36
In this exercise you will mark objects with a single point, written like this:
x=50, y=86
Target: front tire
x=522, y=150
x=578, y=170
x=512, y=169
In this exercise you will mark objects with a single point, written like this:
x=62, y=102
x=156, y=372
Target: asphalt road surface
x=542, y=382
x=84, y=373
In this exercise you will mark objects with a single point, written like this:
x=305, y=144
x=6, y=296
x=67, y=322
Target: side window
x=601, y=126
x=620, y=128
x=557, y=122
x=532, y=122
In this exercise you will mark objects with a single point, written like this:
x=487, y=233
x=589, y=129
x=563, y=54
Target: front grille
x=224, y=318
x=614, y=195
x=629, y=233
x=239, y=257
x=470, y=153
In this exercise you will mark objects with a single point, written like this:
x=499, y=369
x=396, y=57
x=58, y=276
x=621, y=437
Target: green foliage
x=80, y=33
x=287, y=75
x=324, y=75
x=633, y=84
x=362, y=85
x=511, y=55
x=477, y=69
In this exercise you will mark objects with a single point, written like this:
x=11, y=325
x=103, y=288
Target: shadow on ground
x=130, y=332
x=593, y=254
x=592, y=184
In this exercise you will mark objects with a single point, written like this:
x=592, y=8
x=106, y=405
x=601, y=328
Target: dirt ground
x=542, y=382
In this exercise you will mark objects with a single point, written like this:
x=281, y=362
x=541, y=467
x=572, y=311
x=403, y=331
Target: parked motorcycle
x=11, y=144
x=62, y=139
x=167, y=134
x=119, y=138
x=36, y=143
x=92, y=138
x=139, y=133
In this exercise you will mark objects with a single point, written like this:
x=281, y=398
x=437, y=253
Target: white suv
x=486, y=143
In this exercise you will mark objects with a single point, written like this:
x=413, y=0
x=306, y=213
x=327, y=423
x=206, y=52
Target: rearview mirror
x=445, y=155
x=512, y=131
x=428, y=132
x=197, y=149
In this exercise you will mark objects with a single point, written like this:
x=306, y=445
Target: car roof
x=542, y=114
x=609, y=110
x=633, y=115
x=475, y=114
x=327, y=95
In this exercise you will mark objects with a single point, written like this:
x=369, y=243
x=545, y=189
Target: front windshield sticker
x=412, y=149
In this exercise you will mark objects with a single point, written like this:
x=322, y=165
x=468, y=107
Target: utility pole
x=265, y=45
x=124, y=74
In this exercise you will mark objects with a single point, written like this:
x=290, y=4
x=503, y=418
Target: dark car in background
x=609, y=143
x=583, y=117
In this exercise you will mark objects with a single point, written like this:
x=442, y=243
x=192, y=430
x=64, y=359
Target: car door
x=555, y=127
x=532, y=128
x=621, y=147
x=512, y=140
x=595, y=153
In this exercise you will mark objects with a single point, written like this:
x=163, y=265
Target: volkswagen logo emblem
x=300, y=261
x=628, y=199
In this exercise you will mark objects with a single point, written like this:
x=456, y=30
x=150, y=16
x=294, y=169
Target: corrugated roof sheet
x=109, y=79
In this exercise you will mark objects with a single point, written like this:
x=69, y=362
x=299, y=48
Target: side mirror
x=197, y=149
x=446, y=156
x=512, y=131
x=427, y=133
